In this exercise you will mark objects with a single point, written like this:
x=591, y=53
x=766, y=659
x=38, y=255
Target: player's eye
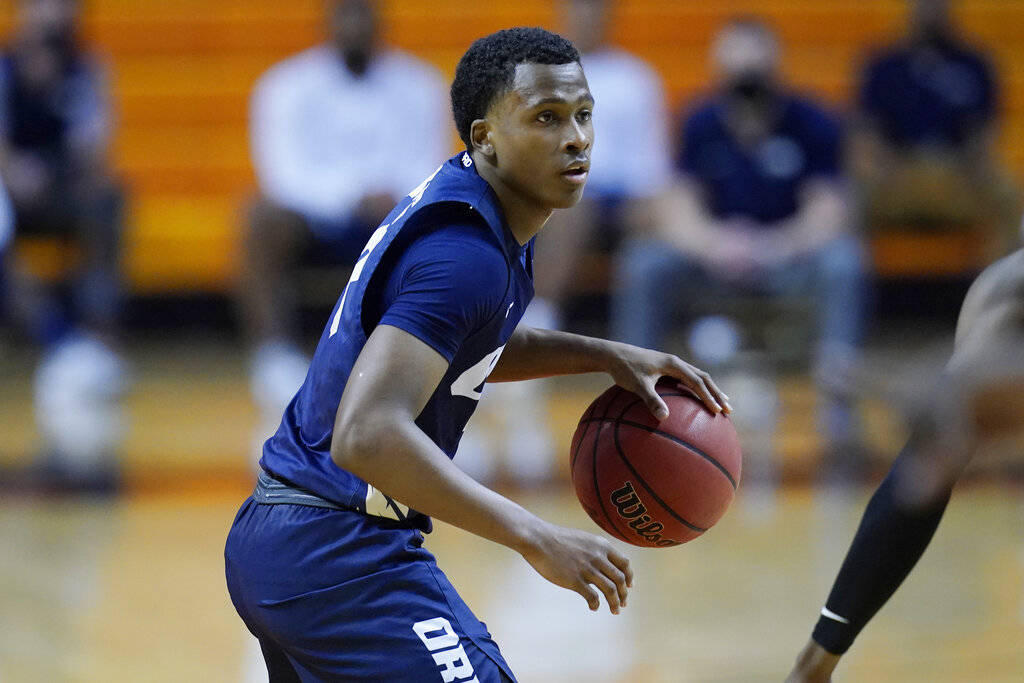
x=546, y=117
x=584, y=115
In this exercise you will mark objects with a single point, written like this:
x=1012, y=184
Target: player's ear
x=480, y=136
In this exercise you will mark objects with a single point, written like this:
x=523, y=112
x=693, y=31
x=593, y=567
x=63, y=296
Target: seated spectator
x=922, y=150
x=327, y=127
x=631, y=160
x=758, y=208
x=630, y=166
x=55, y=127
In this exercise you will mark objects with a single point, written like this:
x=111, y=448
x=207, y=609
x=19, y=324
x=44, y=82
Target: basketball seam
x=597, y=488
x=629, y=466
x=586, y=430
x=665, y=435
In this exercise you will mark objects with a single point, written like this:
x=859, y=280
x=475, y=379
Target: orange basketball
x=649, y=483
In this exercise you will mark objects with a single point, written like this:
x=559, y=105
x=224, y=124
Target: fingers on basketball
x=654, y=402
x=702, y=384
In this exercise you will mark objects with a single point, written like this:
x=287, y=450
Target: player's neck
x=524, y=217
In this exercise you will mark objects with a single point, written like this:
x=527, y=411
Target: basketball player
x=325, y=562
x=980, y=396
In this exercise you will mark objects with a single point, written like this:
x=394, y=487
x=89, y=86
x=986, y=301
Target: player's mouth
x=577, y=173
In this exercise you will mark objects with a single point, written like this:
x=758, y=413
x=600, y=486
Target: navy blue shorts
x=336, y=595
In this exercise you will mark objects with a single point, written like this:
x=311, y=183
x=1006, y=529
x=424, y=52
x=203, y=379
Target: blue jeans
x=653, y=280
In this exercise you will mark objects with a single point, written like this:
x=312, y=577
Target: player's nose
x=578, y=139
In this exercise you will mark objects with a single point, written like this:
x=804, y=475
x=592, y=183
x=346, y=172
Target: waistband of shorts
x=271, y=491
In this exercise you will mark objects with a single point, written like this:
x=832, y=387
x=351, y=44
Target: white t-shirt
x=322, y=138
x=631, y=156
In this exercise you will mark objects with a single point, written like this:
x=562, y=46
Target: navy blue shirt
x=45, y=122
x=445, y=268
x=935, y=96
x=761, y=183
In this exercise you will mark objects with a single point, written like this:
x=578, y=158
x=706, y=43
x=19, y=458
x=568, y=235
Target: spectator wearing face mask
x=758, y=208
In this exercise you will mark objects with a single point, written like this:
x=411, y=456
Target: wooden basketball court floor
x=133, y=589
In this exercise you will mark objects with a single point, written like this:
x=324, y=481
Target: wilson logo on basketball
x=629, y=507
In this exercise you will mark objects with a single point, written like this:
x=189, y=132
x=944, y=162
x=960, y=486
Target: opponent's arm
x=532, y=353
x=891, y=538
x=905, y=511
x=376, y=438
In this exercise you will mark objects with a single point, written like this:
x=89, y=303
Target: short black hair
x=489, y=65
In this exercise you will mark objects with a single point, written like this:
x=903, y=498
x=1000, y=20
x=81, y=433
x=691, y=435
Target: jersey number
x=470, y=382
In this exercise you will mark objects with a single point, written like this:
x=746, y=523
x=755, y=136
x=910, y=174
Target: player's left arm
x=533, y=353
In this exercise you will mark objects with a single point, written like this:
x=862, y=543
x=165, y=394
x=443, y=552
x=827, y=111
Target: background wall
x=183, y=71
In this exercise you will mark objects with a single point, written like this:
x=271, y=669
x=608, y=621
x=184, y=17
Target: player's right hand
x=581, y=562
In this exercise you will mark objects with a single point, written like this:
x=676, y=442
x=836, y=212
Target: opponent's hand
x=638, y=370
x=581, y=562
x=814, y=664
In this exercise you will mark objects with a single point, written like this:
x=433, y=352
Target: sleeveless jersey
x=299, y=452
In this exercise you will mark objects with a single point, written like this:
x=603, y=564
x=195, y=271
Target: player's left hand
x=638, y=370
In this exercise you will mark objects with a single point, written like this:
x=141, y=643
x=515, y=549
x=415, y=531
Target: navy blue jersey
x=940, y=96
x=761, y=183
x=445, y=268
x=47, y=123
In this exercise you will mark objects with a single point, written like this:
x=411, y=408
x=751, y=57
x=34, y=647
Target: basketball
x=649, y=483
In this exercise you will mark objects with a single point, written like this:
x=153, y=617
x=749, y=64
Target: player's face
x=542, y=134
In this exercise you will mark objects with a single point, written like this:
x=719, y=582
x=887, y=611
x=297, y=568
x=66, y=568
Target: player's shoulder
x=1002, y=279
x=994, y=304
x=458, y=254
x=456, y=233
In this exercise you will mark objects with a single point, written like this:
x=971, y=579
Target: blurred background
x=792, y=194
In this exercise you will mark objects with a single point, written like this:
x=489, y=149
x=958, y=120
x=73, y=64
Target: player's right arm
x=377, y=439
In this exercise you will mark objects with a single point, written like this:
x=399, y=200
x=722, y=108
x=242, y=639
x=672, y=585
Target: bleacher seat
x=183, y=70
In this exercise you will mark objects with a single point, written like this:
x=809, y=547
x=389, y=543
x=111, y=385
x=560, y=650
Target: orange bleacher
x=183, y=70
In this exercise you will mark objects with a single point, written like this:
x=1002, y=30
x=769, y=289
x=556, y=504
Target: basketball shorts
x=336, y=595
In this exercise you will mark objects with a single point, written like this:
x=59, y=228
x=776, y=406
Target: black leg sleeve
x=889, y=542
